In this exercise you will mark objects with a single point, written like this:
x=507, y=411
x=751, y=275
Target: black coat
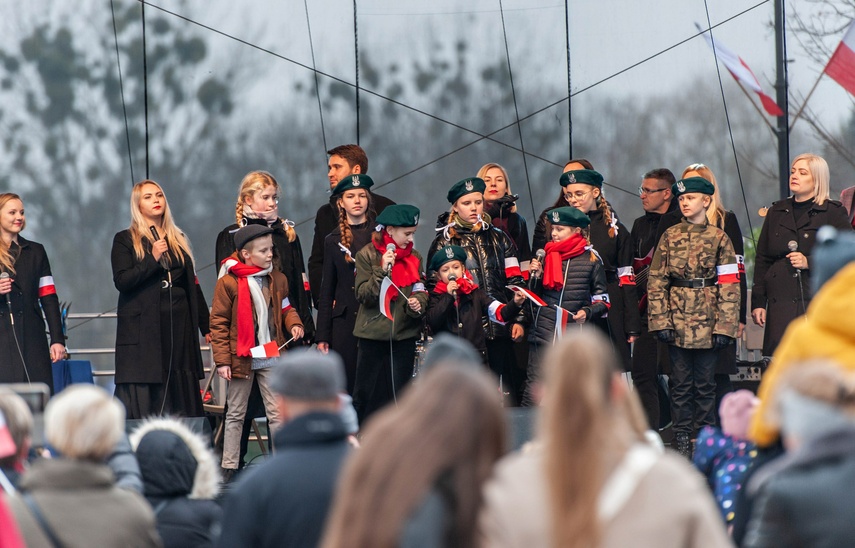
x=486, y=252
x=442, y=316
x=326, y=220
x=285, y=500
x=31, y=266
x=138, y=331
x=290, y=257
x=775, y=286
x=513, y=224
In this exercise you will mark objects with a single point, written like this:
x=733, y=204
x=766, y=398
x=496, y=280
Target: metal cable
x=122, y=93
x=315, y=72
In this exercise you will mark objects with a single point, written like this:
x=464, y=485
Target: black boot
x=684, y=445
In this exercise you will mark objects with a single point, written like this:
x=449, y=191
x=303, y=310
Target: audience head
x=834, y=251
x=19, y=421
x=451, y=349
x=306, y=380
x=83, y=422
x=736, y=410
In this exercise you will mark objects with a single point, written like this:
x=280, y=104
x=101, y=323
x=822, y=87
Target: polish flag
x=562, y=316
x=741, y=73
x=528, y=293
x=387, y=293
x=728, y=274
x=286, y=305
x=268, y=350
x=46, y=286
x=841, y=66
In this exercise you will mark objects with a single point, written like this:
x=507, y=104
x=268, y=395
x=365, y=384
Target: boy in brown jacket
x=250, y=318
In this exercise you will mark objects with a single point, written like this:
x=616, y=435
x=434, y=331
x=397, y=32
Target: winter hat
x=584, y=176
x=736, y=410
x=249, y=233
x=448, y=348
x=834, y=250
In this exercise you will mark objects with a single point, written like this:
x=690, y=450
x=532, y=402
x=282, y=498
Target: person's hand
x=740, y=330
x=388, y=260
x=534, y=267
x=519, y=298
x=324, y=347
x=668, y=336
x=225, y=372
x=581, y=316
x=798, y=260
x=6, y=285
x=158, y=248
x=297, y=332
x=415, y=305
x=631, y=339
x=517, y=332
x=451, y=288
x=209, y=338
x=720, y=341
x=57, y=352
x=759, y=316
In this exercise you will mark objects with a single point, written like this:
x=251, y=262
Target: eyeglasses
x=578, y=195
x=642, y=191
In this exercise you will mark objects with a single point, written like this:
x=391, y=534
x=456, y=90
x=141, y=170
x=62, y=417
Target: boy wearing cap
x=387, y=348
x=693, y=296
x=250, y=317
x=457, y=303
x=571, y=277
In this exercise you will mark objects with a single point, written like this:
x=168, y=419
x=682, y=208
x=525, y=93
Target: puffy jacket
x=442, y=316
x=492, y=261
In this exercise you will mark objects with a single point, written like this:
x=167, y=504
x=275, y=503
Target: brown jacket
x=224, y=321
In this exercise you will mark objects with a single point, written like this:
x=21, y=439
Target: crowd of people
x=668, y=297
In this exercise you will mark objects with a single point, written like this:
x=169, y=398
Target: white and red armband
x=286, y=305
x=728, y=274
x=512, y=267
x=626, y=275
x=494, y=312
x=46, y=286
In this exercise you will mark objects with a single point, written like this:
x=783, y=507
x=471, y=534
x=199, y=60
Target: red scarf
x=405, y=271
x=245, y=323
x=556, y=252
x=465, y=285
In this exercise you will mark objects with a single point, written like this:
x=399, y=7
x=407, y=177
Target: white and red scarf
x=249, y=297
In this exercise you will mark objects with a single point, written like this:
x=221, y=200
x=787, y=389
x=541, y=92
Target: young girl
x=457, y=303
x=572, y=278
x=387, y=348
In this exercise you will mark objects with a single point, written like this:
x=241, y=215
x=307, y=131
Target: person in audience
x=19, y=422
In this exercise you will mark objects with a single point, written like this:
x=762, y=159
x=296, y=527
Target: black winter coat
x=442, y=316
x=290, y=257
x=31, y=266
x=138, y=332
x=488, y=252
x=513, y=224
x=775, y=286
x=326, y=220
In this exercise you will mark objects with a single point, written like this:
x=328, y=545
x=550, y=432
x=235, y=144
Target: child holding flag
x=391, y=292
x=457, y=304
x=571, y=282
x=250, y=317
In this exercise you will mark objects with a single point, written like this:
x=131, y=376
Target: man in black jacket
x=284, y=502
x=344, y=160
x=647, y=356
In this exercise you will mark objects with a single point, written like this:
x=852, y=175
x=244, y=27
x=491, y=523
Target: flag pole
x=782, y=96
x=804, y=104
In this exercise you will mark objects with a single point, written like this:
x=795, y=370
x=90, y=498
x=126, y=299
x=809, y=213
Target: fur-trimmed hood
x=174, y=461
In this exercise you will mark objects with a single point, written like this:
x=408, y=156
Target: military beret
x=399, y=215
x=464, y=187
x=249, y=233
x=446, y=254
x=584, y=176
x=351, y=182
x=567, y=216
x=692, y=184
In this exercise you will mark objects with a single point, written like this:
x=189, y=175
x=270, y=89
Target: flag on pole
x=387, y=293
x=562, y=316
x=740, y=72
x=841, y=66
x=267, y=350
x=528, y=293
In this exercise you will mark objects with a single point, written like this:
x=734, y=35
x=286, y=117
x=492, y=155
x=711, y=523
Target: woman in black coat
x=29, y=285
x=781, y=289
x=161, y=311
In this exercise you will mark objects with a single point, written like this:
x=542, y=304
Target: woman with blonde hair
x=781, y=290
x=29, y=290
x=161, y=311
x=591, y=479
x=422, y=465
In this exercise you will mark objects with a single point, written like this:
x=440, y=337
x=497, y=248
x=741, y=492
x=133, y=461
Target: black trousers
x=501, y=357
x=648, y=355
x=692, y=384
x=381, y=373
x=535, y=357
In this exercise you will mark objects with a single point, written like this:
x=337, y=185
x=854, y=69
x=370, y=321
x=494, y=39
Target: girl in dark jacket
x=29, y=285
x=573, y=280
x=161, y=310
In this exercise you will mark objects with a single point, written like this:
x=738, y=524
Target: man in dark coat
x=284, y=502
x=344, y=160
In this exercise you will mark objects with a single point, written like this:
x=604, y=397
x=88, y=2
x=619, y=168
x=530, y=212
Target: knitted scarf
x=465, y=285
x=405, y=271
x=249, y=297
x=556, y=252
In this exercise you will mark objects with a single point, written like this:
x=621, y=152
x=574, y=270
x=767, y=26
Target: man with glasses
x=649, y=355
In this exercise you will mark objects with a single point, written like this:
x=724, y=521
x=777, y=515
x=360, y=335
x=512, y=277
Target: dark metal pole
x=569, y=86
x=783, y=128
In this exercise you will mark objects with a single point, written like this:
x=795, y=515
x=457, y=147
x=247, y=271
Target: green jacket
x=370, y=322
x=687, y=251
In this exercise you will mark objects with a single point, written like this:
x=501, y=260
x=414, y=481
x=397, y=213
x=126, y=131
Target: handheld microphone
x=6, y=276
x=793, y=245
x=540, y=255
x=154, y=233
x=453, y=278
x=390, y=247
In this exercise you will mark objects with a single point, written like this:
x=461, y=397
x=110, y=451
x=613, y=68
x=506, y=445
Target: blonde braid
x=603, y=206
x=346, y=234
x=239, y=213
x=289, y=231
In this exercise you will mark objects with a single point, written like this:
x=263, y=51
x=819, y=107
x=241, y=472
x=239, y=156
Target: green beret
x=464, y=187
x=446, y=254
x=399, y=215
x=692, y=184
x=351, y=182
x=567, y=216
x=584, y=176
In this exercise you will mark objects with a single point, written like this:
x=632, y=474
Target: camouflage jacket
x=688, y=251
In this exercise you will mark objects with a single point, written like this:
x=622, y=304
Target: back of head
x=83, y=422
x=309, y=376
x=834, y=250
x=19, y=421
x=448, y=348
x=736, y=410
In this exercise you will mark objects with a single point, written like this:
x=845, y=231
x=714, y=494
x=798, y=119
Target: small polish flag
x=728, y=274
x=494, y=312
x=46, y=286
x=841, y=66
x=626, y=276
x=306, y=282
x=387, y=293
x=528, y=293
x=512, y=267
x=562, y=316
x=267, y=350
x=286, y=305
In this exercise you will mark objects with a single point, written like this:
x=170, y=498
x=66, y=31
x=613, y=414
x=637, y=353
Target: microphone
x=390, y=247
x=154, y=233
x=453, y=278
x=793, y=245
x=540, y=255
x=6, y=276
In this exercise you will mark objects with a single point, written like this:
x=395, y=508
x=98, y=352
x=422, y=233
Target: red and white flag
x=740, y=71
x=46, y=286
x=841, y=66
x=562, y=316
x=528, y=293
x=267, y=350
x=387, y=293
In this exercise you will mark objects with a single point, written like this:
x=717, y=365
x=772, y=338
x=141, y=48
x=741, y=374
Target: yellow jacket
x=826, y=332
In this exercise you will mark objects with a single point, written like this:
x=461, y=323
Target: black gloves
x=668, y=336
x=720, y=341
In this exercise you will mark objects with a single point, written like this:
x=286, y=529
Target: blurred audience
x=19, y=422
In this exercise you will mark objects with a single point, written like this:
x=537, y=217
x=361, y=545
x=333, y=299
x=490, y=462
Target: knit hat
x=249, y=233
x=567, y=216
x=399, y=215
x=692, y=184
x=584, y=176
x=736, y=410
x=446, y=254
x=351, y=182
x=464, y=187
